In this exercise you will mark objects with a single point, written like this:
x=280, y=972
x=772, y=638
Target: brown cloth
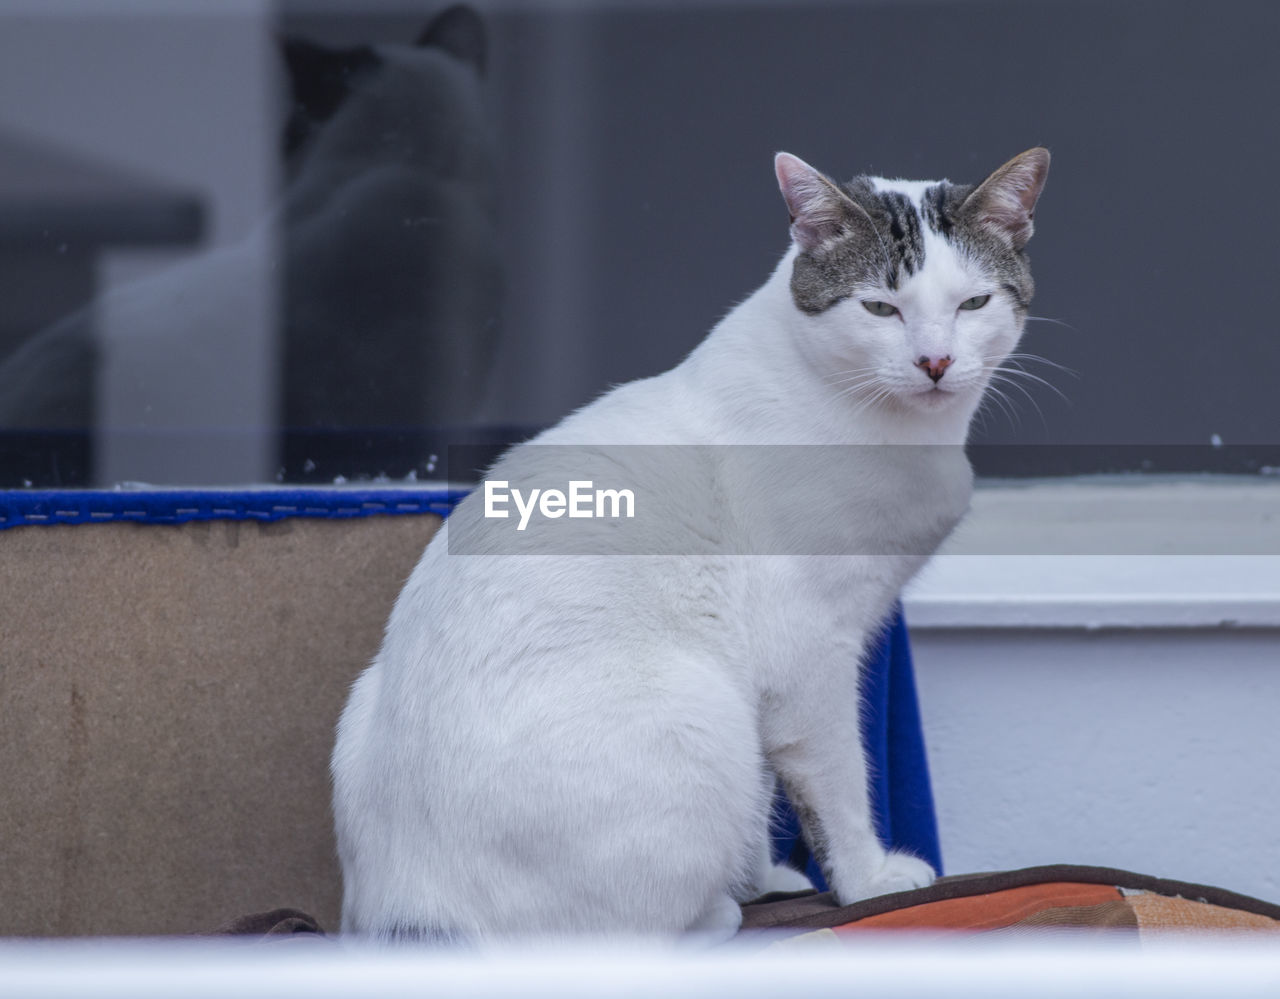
x=275, y=922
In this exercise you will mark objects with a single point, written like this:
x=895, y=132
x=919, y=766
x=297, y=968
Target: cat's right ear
x=321, y=76
x=460, y=31
x=320, y=79
x=820, y=212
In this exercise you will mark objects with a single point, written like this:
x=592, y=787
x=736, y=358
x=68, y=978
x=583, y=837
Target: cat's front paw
x=899, y=872
x=896, y=872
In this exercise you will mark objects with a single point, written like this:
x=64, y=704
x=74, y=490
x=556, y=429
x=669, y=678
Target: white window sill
x=1109, y=552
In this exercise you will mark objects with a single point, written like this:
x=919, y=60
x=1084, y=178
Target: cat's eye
x=977, y=302
x=879, y=308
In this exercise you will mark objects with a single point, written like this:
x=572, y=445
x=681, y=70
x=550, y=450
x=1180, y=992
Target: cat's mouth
x=937, y=396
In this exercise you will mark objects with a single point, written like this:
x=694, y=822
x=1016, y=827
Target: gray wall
x=1155, y=241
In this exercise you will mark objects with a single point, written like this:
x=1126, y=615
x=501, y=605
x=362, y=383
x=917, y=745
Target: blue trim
x=23, y=507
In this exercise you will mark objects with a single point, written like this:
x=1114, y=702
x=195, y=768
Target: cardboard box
x=169, y=696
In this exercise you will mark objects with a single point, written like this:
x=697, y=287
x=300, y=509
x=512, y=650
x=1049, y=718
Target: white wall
x=1157, y=752
x=1096, y=702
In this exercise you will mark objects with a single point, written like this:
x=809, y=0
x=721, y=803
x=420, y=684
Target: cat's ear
x=458, y=30
x=820, y=211
x=320, y=79
x=321, y=76
x=1005, y=203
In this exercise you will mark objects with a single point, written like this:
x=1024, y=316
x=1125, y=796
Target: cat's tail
x=413, y=935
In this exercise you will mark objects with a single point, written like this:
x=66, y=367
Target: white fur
x=586, y=744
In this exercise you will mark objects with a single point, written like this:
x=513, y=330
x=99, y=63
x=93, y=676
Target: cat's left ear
x=1005, y=203
x=458, y=30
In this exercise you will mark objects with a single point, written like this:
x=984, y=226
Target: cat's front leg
x=813, y=743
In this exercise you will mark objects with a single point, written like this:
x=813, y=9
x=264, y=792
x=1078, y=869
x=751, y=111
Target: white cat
x=575, y=728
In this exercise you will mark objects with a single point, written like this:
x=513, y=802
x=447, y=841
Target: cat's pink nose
x=934, y=367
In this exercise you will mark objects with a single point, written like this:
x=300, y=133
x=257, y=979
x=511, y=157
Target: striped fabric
x=1024, y=901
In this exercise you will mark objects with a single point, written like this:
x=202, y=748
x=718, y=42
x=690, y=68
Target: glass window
x=316, y=241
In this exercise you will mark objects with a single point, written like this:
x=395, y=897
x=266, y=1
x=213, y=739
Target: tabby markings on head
x=893, y=247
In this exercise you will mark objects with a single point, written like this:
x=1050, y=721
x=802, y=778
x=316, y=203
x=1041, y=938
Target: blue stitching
x=179, y=506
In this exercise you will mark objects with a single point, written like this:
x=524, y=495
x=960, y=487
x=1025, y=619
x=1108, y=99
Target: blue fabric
x=23, y=507
x=901, y=795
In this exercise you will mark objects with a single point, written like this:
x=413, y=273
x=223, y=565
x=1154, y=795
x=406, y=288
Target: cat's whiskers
x=1002, y=377
x=981, y=413
x=1046, y=319
x=857, y=387
x=1004, y=371
x=1010, y=375
x=854, y=381
x=850, y=374
x=1010, y=367
x=1014, y=370
x=995, y=397
x=1020, y=357
x=880, y=395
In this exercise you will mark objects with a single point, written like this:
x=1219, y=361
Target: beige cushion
x=169, y=697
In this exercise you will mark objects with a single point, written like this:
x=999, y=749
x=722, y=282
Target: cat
x=576, y=733
x=393, y=275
